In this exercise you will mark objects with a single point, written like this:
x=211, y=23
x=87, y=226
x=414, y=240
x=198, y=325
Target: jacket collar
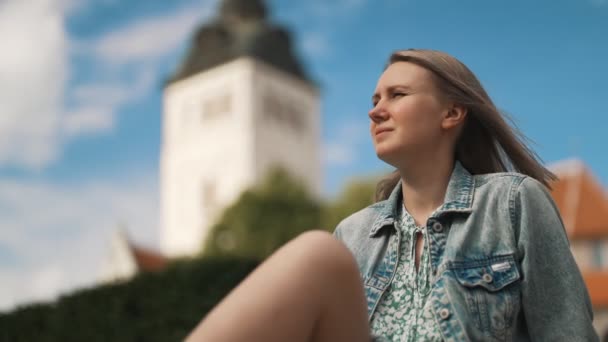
x=458, y=198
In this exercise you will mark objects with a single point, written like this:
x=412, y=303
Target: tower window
x=216, y=106
x=284, y=113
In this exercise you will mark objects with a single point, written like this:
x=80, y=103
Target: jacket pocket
x=490, y=291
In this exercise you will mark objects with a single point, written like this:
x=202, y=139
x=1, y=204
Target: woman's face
x=407, y=113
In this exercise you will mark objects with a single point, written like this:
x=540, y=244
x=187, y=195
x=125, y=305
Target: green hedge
x=162, y=306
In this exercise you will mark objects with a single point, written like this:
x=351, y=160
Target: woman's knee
x=325, y=252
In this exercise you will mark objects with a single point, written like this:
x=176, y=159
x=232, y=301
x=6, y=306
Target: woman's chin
x=387, y=155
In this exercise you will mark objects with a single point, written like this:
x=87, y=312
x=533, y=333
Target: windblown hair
x=487, y=142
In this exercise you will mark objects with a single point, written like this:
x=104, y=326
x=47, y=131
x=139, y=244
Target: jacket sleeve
x=555, y=300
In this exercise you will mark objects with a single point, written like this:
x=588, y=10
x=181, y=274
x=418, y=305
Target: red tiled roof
x=597, y=285
x=582, y=202
x=147, y=259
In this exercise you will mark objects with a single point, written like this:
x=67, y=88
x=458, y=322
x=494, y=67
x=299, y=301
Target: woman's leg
x=308, y=290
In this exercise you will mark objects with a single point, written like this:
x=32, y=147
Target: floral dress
x=404, y=313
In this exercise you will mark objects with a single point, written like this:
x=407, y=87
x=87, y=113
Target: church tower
x=239, y=104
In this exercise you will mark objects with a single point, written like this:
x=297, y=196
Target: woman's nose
x=378, y=113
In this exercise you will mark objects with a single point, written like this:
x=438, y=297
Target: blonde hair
x=487, y=142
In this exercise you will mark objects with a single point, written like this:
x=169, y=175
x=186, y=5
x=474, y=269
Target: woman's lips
x=381, y=131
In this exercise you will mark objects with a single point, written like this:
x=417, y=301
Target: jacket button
x=487, y=278
x=444, y=313
x=437, y=227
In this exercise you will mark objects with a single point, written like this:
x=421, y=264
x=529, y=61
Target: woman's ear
x=454, y=116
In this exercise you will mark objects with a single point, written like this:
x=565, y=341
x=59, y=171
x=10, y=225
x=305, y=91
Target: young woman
x=464, y=242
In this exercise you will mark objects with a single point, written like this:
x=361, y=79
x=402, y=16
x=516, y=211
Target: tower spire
x=241, y=28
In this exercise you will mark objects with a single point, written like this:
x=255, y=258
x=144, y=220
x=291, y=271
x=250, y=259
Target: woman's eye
x=399, y=94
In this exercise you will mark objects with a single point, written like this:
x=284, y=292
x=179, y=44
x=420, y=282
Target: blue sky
x=80, y=84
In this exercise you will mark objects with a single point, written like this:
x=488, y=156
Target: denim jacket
x=502, y=269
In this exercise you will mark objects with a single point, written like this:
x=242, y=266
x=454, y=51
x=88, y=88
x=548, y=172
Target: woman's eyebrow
x=391, y=88
x=399, y=86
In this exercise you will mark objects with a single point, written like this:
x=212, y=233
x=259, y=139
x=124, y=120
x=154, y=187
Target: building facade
x=239, y=105
x=583, y=205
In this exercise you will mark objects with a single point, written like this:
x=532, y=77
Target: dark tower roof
x=241, y=29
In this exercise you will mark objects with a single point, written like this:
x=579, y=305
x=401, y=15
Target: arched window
x=216, y=107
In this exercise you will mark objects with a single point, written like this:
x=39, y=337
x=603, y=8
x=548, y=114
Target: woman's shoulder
x=514, y=181
x=499, y=179
x=512, y=189
x=515, y=192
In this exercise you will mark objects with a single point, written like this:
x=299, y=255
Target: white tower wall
x=287, y=126
x=221, y=134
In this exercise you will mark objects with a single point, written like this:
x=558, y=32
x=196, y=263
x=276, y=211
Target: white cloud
x=139, y=46
x=325, y=16
x=149, y=38
x=33, y=70
x=34, y=67
x=97, y=104
x=342, y=148
x=338, y=154
x=88, y=120
x=60, y=234
x=315, y=45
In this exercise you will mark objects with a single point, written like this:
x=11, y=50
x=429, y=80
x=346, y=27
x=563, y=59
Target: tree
x=264, y=218
x=153, y=306
x=355, y=196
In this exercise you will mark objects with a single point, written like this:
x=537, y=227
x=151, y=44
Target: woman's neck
x=424, y=185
